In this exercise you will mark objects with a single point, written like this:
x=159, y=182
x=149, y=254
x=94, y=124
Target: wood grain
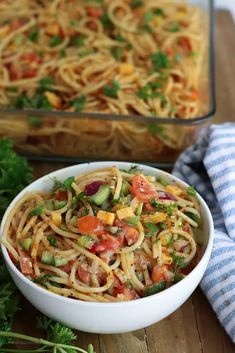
x=194, y=327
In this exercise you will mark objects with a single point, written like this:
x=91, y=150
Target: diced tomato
x=90, y=225
x=158, y=273
x=94, y=11
x=186, y=45
x=26, y=265
x=61, y=195
x=31, y=57
x=83, y=273
x=194, y=94
x=67, y=268
x=30, y=73
x=130, y=233
x=125, y=292
x=109, y=243
x=15, y=72
x=142, y=189
x=92, y=25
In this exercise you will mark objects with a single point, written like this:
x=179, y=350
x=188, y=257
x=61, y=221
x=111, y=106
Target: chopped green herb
x=170, y=209
x=160, y=61
x=37, y=211
x=55, y=40
x=79, y=103
x=77, y=41
x=63, y=53
x=149, y=91
x=43, y=279
x=81, y=196
x=191, y=191
x=120, y=38
x=136, y=3
x=105, y=20
x=178, y=262
x=147, y=28
x=155, y=288
x=158, y=11
x=34, y=35
x=52, y=241
x=111, y=91
x=45, y=83
x=74, y=23
x=193, y=216
x=156, y=129
x=68, y=182
x=117, y=53
x=174, y=27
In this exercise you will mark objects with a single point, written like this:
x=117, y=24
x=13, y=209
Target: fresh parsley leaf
x=15, y=174
x=120, y=38
x=158, y=11
x=136, y=3
x=68, y=183
x=79, y=103
x=178, y=262
x=34, y=35
x=105, y=20
x=81, y=196
x=45, y=84
x=174, y=27
x=55, y=40
x=37, y=211
x=155, y=288
x=117, y=53
x=160, y=61
x=77, y=41
x=193, y=216
x=43, y=279
x=191, y=191
x=52, y=241
x=35, y=121
x=170, y=209
x=112, y=90
x=156, y=129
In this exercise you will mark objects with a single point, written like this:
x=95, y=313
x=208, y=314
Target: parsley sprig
x=58, y=339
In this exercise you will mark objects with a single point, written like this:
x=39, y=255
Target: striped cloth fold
x=209, y=165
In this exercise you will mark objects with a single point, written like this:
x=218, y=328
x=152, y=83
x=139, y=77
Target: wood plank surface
x=194, y=327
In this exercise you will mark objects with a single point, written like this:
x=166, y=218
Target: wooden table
x=194, y=327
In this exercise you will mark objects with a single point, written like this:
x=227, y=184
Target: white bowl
x=110, y=317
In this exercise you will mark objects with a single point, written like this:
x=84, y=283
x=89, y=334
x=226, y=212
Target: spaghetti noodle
x=111, y=57
x=107, y=235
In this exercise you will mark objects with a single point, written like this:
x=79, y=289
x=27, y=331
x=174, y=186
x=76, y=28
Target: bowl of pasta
x=107, y=247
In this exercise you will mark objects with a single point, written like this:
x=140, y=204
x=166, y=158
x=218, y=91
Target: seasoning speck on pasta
x=106, y=235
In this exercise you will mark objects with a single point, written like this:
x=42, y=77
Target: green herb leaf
x=160, y=61
x=175, y=27
x=81, y=196
x=34, y=35
x=52, y=241
x=37, y=211
x=153, y=229
x=68, y=183
x=191, y=191
x=105, y=20
x=15, y=174
x=155, y=288
x=111, y=91
x=43, y=279
x=117, y=53
x=136, y=3
x=35, y=121
x=148, y=16
x=77, y=41
x=79, y=103
x=55, y=40
x=158, y=11
x=45, y=83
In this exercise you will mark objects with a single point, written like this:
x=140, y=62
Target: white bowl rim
x=98, y=165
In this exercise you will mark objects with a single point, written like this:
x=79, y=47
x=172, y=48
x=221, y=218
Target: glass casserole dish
x=150, y=117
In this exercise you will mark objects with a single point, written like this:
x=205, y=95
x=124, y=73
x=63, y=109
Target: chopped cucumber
x=101, y=195
x=124, y=188
x=84, y=241
x=155, y=288
x=139, y=209
x=47, y=258
x=59, y=204
x=133, y=220
x=60, y=261
x=26, y=243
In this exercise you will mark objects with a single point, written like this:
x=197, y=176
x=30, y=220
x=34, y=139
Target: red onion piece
x=91, y=189
x=164, y=195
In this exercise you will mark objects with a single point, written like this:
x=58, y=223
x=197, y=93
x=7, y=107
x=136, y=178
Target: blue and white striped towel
x=209, y=165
